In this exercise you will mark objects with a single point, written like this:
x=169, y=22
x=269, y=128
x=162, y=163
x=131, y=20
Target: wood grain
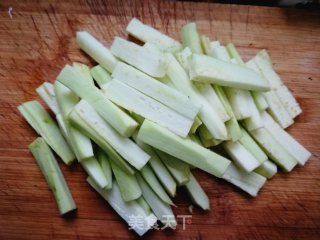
x=39, y=39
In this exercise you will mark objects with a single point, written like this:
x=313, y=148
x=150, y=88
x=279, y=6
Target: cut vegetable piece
x=233, y=60
x=143, y=203
x=207, y=115
x=85, y=71
x=153, y=182
x=167, y=81
x=183, y=57
x=194, y=138
x=88, y=131
x=241, y=156
x=211, y=96
x=104, y=162
x=267, y=169
x=258, y=97
x=161, y=209
x=94, y=170
x=239, y=101
x=196, y=124
x=232, y=125
x=80, y=143
x=46, y=92
x=215, y=43
x=89, y=120
x=159, y=168
x=205, y=44
x=274, y=150
x=151, y=63
x=190, y=37
x=96, y=50
x=52, y=173
x=206, y=138
x=210, y=142
x=247, y=141
x=210, y=70
x=146, y=33
x=254, y=121
x=234, y=129
x=224, y=100
x=234, y=53
x=286, y=140
x=259, y=100
x=197, y=194
x=137, y=117
x=243, y=106
x=100, y=75
x=184, y=149
x=135, y=101
x=219, y=52
x=65, y=98
x=253, y=66
x=156, y=90
x=126, y=209
x=152, y=48
x=204, y=133
x=62, y=127
x=118, y=119
x=248, y=182
x=206, y=90
x=179, y=170
x=288, y=101
x=277, y=110
x=46, y=127
x=264, y=64
x=128, y=184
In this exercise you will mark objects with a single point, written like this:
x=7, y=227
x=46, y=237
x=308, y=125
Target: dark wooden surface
x=39, y=39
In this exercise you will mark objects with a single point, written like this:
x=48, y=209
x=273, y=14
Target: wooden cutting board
x=38, y=40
